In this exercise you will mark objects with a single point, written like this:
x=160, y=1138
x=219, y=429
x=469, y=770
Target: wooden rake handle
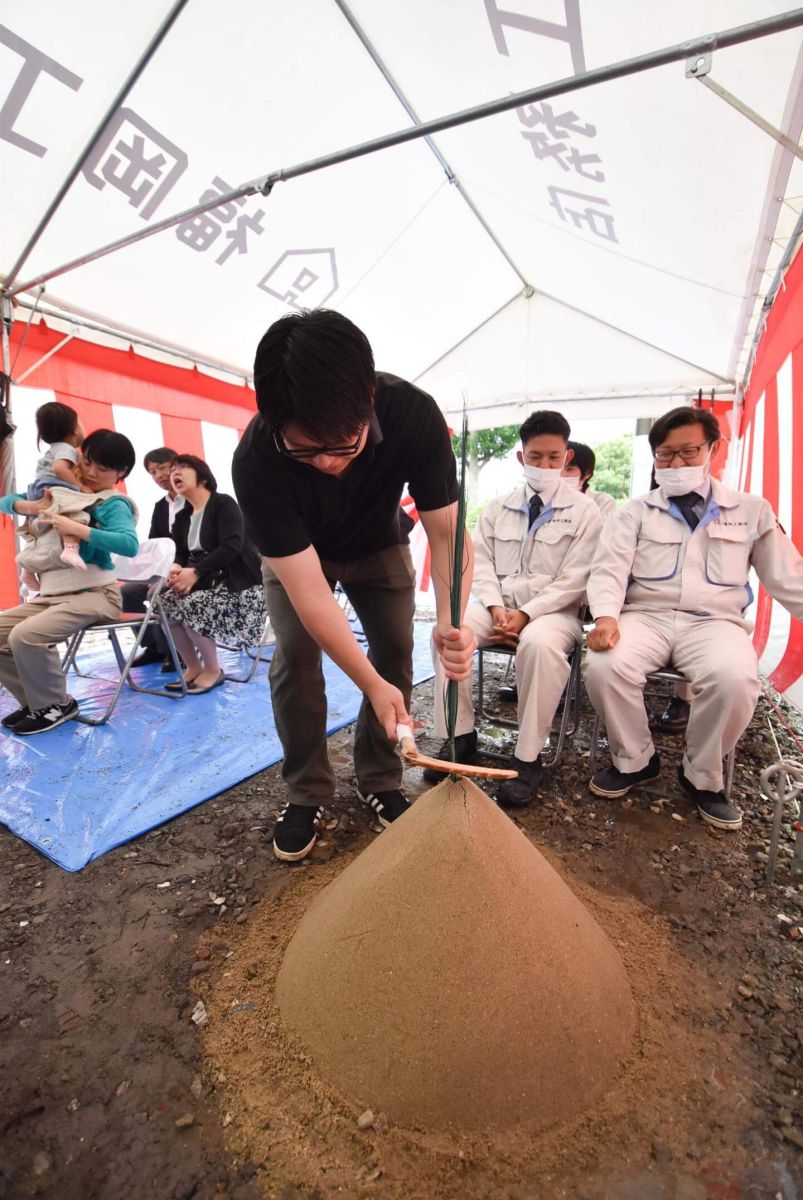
x=413, y=757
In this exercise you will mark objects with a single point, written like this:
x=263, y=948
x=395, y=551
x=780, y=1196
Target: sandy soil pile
x=450, y=978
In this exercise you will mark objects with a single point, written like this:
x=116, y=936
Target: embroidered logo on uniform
x=736, y=524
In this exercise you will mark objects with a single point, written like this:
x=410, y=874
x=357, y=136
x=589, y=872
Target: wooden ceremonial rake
x=413, y=757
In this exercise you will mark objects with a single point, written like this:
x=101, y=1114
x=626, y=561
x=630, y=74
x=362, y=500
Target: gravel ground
x=103, y=1095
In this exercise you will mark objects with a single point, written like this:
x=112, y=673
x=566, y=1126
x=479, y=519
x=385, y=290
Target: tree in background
x=483, y=445
x=614, y=467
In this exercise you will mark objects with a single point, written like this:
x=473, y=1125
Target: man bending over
x=319, y=475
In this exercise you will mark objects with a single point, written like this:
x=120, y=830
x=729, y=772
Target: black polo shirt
x=289, y=505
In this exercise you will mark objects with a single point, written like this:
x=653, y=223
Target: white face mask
x=677, y=481
x=572, y=481
x=543, y=480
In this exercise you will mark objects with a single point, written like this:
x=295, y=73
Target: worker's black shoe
x=714, y=807
x=465, y=751
x=613, y=783
x=14, y=718
x=388, y=806
x=296, y=831
x=518, y=793
x=509, y=692
x=674, y=718
x=147, y=656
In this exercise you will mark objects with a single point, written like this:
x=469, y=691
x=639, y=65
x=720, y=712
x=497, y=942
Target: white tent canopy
x=612, y=246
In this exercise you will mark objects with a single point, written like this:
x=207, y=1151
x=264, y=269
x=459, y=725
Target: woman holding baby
x=70, y=597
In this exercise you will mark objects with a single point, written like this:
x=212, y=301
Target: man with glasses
x=669, y=586
x=319, y=475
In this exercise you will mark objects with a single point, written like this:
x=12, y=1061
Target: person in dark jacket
x=158, y=464
x=215, y=583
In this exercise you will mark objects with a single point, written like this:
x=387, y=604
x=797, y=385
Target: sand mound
x=449, y=978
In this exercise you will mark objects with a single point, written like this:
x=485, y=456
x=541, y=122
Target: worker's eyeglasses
x=665, y=458
x=313, y=451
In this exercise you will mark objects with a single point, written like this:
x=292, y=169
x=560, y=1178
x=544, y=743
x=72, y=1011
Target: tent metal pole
x=523, y=401
x=526, y=292
x=444, y=163
x=788, y=255
x=7, y=476
x=144, y=59
x=574, y=83
x=529, y=292
x=751, y=115
x=777, y=183
x=137, y=339
x=68, y=337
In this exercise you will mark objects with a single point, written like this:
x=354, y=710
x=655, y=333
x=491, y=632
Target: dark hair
x=315, y=369
x=202, y=472
x=584, y=458
x=162, y=454
x=55, y=422
x=111, y=450
x=544, y=421
x=685, y=415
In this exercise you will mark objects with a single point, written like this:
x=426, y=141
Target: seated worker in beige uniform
x=532, y=553
x=669, y=586
x=579, y=470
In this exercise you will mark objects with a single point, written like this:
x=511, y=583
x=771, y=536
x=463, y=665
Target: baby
x=57, y=425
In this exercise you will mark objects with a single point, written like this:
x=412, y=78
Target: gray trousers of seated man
x=381, y=588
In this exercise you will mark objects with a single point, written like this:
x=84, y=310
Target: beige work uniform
x=680, y=598
x=71, y=599
x=604, y=502
x=542, y=573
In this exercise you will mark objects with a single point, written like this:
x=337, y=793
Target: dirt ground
x=110, y=1091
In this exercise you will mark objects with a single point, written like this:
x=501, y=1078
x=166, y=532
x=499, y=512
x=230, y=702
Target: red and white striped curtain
x=769, y=462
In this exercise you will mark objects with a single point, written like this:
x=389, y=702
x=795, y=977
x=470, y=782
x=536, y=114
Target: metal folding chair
x=254, y=653
x=572, y=697
x=666, y=675
x=151, y=565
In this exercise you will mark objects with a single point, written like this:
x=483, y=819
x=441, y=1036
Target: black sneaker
x=40, y=720
x=509, y=692
x=388, y=806
x=465, y=751
x=714, y=807
x=613, y=783
x=13, y=719
x=674, y=718
x=517, y=793
x=296, y=831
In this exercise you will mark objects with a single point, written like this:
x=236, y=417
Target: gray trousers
x=30, y=666
x=381, y=588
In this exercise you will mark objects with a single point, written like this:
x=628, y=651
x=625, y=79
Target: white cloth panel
x=25, y=402
x=220, y=442
x=144, y=429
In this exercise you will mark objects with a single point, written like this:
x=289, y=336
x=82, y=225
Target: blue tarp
x=80, y=790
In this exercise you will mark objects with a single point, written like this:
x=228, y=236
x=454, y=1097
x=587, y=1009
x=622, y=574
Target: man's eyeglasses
x=665, y=458
x=313, y=451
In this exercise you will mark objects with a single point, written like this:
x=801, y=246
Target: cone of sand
x=450, y=978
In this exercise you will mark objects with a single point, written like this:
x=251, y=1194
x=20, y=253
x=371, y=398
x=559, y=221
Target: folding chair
x=666, y=675
x=572, y=696
x=151, y=565
x=253, y=652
